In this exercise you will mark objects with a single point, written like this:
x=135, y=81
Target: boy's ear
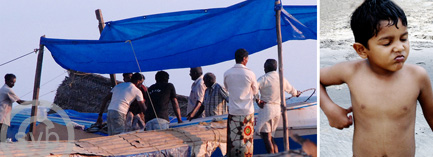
x=361, y=50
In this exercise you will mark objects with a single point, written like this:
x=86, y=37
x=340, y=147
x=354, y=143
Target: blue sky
x=22, y=23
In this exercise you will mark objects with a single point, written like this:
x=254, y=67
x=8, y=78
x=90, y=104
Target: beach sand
x=336, y=41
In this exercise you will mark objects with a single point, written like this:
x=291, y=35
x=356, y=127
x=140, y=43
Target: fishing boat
x=199, y=137
x=301, y=118
x=302, y=121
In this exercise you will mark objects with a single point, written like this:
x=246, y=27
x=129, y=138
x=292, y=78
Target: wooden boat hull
x=302, y=120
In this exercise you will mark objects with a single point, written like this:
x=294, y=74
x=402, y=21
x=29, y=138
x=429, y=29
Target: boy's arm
x=425, y=98
x=337, y=116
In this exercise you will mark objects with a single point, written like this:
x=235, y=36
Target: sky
x=23, y=22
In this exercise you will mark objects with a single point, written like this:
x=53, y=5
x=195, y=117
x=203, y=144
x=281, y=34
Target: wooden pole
x=36, y=91
x=101, y=27
x=280, y=71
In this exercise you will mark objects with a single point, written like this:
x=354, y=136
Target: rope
x=48, y=93
x=314, y=91
x=46, y=83
x=34, y=51
x=138, y=64
x=148, y=95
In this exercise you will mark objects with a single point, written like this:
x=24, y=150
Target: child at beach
x=384, y=91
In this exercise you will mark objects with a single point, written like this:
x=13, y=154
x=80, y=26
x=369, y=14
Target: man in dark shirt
x=161, y=93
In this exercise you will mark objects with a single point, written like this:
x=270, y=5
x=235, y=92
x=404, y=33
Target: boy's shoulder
x=355, y=65
x=352, y=64
x=348, y=66
x=414, y=70
x=341, y=72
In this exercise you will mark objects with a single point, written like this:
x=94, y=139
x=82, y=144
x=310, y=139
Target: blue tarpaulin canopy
x=183, y=39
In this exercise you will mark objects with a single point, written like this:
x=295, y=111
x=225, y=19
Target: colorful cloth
x=215, y=100
x=240, y=135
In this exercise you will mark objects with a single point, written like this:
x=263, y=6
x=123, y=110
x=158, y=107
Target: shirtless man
x=384, y=91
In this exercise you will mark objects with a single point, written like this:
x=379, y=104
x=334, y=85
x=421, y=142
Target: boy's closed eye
x=388, y=41
x=385, y=41
x=403, y=38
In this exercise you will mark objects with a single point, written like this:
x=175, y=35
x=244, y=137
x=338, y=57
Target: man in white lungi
x=269, y=103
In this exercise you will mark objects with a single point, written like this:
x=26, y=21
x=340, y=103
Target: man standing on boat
x=269, y=103
x=242, y=86
x=122, y=95
x=161, y=93
x=215, y=97
x=7, y=97
x=196, y=96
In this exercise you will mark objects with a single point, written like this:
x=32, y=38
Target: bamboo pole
x=36, y=91
x=280, y=71
x=101, y=26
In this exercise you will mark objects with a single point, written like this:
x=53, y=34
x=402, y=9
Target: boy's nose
x=399, y=47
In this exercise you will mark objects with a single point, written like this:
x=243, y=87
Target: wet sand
x=336, y=41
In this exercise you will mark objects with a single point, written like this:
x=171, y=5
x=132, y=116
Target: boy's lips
x=399, y=58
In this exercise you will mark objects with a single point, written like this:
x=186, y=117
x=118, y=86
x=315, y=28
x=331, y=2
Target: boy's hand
x=339, y=118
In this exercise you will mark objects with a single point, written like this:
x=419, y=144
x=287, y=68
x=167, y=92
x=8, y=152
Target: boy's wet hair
x=365, y=21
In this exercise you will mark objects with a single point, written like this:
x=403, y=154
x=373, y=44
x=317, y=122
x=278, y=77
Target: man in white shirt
x=122, y=95
x=196, y=96
x=269, y=103
x=7, y=98
x=241, y=84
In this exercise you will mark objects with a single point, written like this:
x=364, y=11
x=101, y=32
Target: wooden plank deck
x=200, y=139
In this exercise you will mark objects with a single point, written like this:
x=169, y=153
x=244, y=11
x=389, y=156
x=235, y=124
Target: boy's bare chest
x=393, y=98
